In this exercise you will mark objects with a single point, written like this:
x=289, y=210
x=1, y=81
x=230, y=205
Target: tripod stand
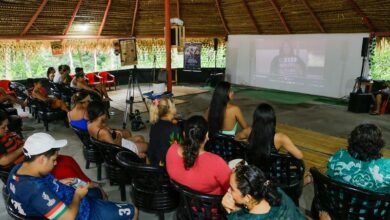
x=133, y=82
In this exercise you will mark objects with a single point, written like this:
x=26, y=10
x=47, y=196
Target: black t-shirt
x=162, y=135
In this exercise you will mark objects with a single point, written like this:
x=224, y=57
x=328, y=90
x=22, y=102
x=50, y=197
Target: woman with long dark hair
x=189, y=164
x=259, y=200
x=222, y=115
x=263, y=138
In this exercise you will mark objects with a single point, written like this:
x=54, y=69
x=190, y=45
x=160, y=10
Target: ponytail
x=252, y=181
x=161, y=107
x=195, y=131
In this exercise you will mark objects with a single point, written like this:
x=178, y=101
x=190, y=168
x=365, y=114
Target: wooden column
x=167, y=33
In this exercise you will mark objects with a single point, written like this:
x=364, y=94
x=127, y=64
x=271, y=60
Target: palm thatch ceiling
x=145, y=18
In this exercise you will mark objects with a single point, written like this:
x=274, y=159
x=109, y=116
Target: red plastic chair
x=93, y=79
x=5, y=84
x=108, y=79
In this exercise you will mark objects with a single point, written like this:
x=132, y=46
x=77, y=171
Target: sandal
x=374, y=113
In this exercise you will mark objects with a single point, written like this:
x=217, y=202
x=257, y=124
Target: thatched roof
x=145, y=18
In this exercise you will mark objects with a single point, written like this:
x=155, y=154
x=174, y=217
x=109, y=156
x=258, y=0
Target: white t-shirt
x=57, y=78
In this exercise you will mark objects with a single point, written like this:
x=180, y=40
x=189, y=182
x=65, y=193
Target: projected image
x=286, y=60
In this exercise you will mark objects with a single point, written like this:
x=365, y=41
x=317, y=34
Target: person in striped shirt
x=34, y=192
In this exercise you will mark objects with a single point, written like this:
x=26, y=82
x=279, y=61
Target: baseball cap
x=39, y=143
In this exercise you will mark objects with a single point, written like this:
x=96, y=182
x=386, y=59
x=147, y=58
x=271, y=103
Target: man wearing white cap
x=35, y=192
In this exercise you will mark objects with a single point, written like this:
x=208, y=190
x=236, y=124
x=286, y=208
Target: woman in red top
x=189, y=164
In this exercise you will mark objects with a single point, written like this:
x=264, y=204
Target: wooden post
x=168, y=43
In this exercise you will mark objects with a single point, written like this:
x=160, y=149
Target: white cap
x=39, y=143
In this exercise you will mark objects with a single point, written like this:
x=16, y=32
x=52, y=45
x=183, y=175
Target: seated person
x=11, y=153
x=35, y=192
x=379, y=96
x=62, y=76
x=50, y=73
x=4, y=97
x=164, y=131
x=252, y=197
x=362, y=164
x=98, y=129
x=79, y=82
x=190, y=165
x=78, y=116
x=222, y=115
x=40, y=93
x=262, y=136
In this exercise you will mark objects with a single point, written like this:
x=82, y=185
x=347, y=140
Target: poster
x=56, y=48
x=192, y=52
x=128, y=52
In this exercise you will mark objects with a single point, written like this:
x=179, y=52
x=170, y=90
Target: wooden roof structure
x=64, y=19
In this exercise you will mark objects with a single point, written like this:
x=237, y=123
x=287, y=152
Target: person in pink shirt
x=190, y=165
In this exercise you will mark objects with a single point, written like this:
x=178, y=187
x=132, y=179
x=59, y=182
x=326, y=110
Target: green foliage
x=380, y=68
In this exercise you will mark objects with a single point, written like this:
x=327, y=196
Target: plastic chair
x=115, y=172
x=226, y=147
x=344, y=201
x=5, y=84
x=46, y=114
x=108, y=79
x=90, y=152
x=196, y=205
x=151, y=189
x=286, y=172
x=93, y=79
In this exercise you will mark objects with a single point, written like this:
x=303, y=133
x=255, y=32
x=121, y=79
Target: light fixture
x=82, y=27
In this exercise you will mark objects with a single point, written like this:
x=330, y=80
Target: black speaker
x=366, y=42
x=215, y=43
x=359, y=102
x=173, y=37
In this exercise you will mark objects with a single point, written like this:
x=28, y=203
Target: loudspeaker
x=215, y=44
x=177, y=35
x=174, y=37
x=366, y=42
x=359, y=102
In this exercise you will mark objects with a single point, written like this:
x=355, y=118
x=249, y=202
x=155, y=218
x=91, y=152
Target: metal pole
x=168, y=43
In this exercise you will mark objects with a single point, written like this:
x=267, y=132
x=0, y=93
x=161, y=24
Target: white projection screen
x=318, y=64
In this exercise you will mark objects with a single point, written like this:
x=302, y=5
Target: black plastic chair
x=226, y=147
x=46, y=114
x=151, y=189
x=115, y=172
x=90, y=152
x=61, y=92
x=286, y=172
x=198, y=206
x=344, y=201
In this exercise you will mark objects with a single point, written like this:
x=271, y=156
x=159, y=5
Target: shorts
x=129, y=145
x=106, y=210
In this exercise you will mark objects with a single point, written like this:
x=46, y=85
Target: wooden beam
x=73, y=17
x=63, y=37
x=218, y=5
x=34, y=17
x=381, y=34
x=178, y=9
x=134, y=17
x=314, y=16
x=104, y=17
x=251, y=16
x=364, y=17
x=277, y=9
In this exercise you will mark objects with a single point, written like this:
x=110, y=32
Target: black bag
x=137, y=123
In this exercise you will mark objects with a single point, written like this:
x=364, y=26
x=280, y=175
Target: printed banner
x=128, y=51
x=56, y=48
x=192, y=56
